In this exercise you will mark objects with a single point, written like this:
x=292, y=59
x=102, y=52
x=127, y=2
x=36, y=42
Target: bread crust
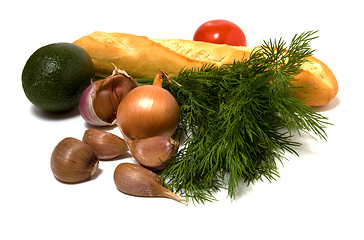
x=319, y=85
x=137, y=55
x=142, y=57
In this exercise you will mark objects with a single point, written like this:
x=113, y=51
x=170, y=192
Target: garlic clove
x=136, y=180
x=106, y=145
x=73, y=161
x=154, y=152
x=99, y=102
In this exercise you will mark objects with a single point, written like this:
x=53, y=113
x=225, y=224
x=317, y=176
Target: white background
x=318, y=196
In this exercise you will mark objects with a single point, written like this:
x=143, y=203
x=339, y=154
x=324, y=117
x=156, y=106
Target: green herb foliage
x=239, y=120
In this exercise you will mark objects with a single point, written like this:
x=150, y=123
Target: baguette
x=142, y=57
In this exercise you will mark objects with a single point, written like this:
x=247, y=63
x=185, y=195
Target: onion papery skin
x=148, y=111
x=86, y=107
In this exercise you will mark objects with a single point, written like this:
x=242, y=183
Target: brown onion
x=148, y=111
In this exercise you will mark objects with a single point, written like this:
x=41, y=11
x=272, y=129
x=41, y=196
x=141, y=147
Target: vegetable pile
x=236, y=122
x=239, y=120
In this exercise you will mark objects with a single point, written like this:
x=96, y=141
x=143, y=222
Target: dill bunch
x=239, y=120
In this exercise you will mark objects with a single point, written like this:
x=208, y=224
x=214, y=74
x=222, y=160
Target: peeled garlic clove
x=73, y=161
x=154, y=152
x=106, y=145
x=99, y=102
x=136, y=180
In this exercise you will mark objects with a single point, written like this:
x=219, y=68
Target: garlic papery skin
x=99, y=102
x=86, y=107
x=73, y=161
x=154, y=152
x=107, y=146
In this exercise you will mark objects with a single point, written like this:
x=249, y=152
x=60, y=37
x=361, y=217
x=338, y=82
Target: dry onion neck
x=162, y=76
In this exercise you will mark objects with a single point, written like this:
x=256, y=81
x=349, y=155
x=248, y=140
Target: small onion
x=148, y=111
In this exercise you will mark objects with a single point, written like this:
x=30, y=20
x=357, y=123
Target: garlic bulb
x=154, y=152
x=73, y=161
x=99, y=102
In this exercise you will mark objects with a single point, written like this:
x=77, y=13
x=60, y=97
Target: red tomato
x=222, y=32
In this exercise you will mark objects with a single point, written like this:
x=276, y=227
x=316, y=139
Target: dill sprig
x=239, y=120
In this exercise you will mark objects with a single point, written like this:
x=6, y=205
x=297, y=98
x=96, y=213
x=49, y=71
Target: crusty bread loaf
x=142, y=57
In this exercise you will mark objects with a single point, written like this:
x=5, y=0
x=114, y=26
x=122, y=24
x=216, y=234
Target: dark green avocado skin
x=55, y=76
